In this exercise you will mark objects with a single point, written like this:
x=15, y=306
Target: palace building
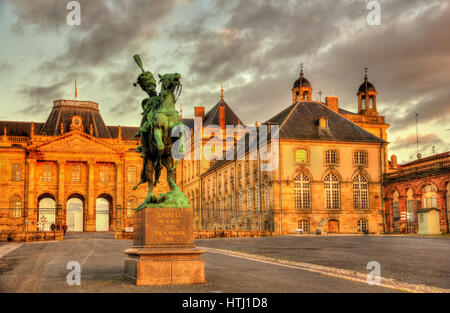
x=329, y=175
x=331, y=163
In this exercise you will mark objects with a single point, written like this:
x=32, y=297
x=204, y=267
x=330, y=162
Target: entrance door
x=102, y=214
x=333, y=227
x=74, y=215
x=46, y=213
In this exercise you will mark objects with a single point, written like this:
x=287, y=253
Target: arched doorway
x=395, y=212
x=333, y=227
x=46, y=212
x=75, y=212
x=103, y=207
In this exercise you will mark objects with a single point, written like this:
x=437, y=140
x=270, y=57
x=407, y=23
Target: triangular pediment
x=75, y=142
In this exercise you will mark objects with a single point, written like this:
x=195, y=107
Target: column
x=60, y=217
x=90, y=218
x=119, y=195
x=31, y=217
x=441, y=199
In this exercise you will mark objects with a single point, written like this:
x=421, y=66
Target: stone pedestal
x=163, y=251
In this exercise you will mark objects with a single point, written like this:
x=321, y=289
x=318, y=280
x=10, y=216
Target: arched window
x=360, y=193
x=429, y=197
x=331, y=157
x=15, y=204
x=332, y=192
x=395, y=208
x=257, y=195
x=266, y=196
x=410, y=204
x=302, y=192
x=323, y=122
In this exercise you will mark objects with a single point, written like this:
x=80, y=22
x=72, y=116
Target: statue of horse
x=158, y=121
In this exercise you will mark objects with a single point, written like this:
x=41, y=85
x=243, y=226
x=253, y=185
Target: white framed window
x=47, y=173
x=257, y=196
x=332, y=192
x=331, y=157
x=131, y=205
x=15, y=204
x=304, y=226
x=302, y=192
x=360, y=193
x=16, y=172
x=266, y=196
x=104, y=174
x=76, y=173
x=429, y=197
x=360, y=158
x=362, y=225
x=132, y=174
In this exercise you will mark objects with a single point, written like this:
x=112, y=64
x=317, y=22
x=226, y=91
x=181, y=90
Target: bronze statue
x=159, y=118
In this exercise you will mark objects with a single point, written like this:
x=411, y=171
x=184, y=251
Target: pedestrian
x=58, y=227
x=64, y=228
x=52, y=226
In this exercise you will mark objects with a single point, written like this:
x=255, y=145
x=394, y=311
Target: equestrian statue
x=159, y=118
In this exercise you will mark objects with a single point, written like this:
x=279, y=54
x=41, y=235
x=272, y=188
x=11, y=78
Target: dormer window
x=323, y=123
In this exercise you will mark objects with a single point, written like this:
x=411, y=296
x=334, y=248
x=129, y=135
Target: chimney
x=199, y=112
x=222, y=116
x=394, y=161
x=332, y=103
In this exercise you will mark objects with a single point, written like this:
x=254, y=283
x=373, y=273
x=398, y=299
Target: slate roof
x=300, y=121
x=64, y=114
x=19, y=128
x=212, y=117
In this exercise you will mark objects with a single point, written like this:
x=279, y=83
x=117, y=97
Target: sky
x=254, y=47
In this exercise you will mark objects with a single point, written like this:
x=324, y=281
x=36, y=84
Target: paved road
x=415, y=260
x=41, y=267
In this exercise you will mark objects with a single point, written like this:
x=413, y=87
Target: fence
x=27, y=220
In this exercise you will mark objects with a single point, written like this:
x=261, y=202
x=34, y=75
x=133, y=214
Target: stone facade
x=418, y=185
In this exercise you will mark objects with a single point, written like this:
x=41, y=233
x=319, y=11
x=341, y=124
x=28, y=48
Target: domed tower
x=302, y=89
x=367, y=97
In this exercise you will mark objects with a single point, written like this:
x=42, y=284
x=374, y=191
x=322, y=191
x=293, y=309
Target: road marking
x=9, y=247
x=331, y=271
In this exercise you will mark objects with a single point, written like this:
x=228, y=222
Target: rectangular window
x=76, y=173
x=331, y=157
x=362, y=226
x=132, y=174
x=16, y=173
x=47, y=173
x=360, y=158
x=301, y=156
x=16, y=207
x=303, y=225
x=104, y=174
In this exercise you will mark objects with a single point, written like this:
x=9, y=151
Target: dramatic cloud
x=255, y=47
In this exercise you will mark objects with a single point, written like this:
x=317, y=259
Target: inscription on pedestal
x=163, y=226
